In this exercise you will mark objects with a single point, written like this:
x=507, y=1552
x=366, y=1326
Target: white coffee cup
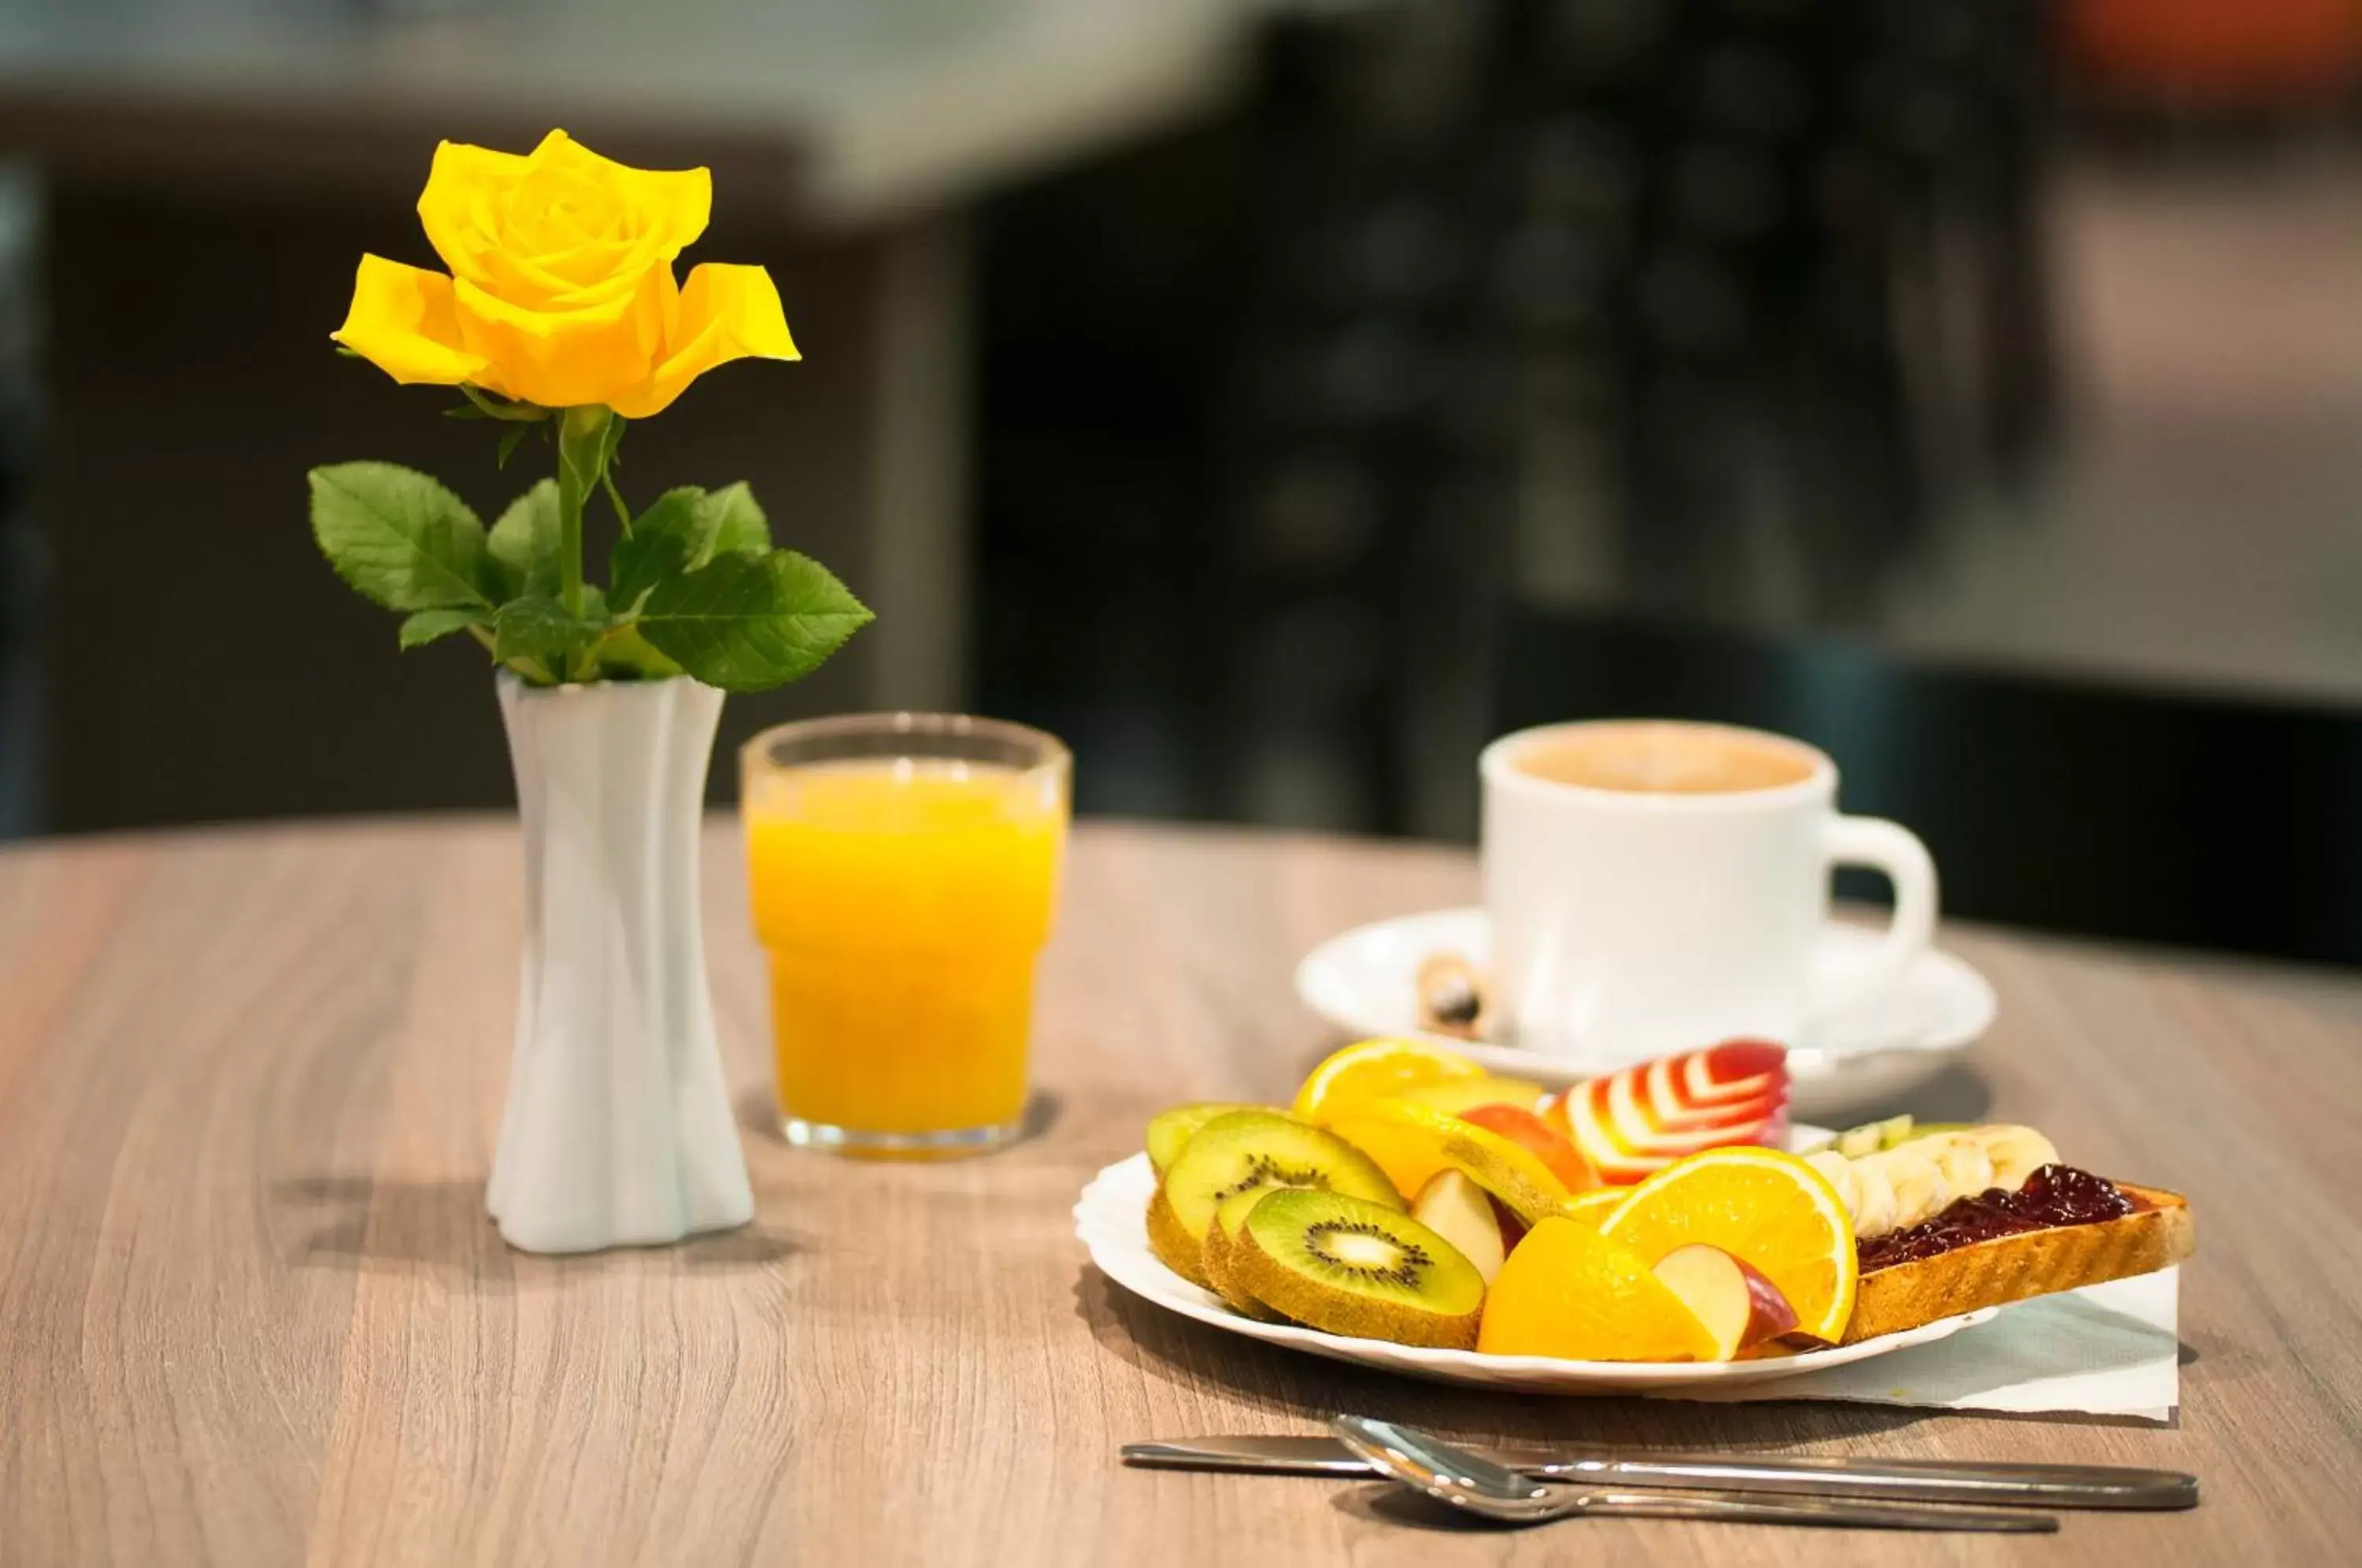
x=1660, y=886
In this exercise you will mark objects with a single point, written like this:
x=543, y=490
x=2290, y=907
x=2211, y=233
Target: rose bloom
x=561, y=290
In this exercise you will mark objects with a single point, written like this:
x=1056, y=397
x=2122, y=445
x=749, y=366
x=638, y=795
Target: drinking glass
x=903, y=872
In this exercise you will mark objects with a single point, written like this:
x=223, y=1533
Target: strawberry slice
x=1634, y=1122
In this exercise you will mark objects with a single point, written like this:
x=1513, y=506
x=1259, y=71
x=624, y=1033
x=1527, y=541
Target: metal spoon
x=1472, y=1482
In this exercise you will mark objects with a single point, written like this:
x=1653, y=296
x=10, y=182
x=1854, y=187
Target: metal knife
x=1892, y=1480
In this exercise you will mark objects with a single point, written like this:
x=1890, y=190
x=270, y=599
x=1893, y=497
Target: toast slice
x=2156, y=1235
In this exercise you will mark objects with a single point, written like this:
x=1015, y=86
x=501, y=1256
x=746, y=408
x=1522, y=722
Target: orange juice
x=903, y=901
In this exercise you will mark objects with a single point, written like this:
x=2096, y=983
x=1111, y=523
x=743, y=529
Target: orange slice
x=1411, y=1143
x=1360, y=1075
x=1569, y=1291
x=1768, y=1209
x=1593, y=1208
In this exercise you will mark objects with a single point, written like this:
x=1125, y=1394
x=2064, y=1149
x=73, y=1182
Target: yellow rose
x=561, y=290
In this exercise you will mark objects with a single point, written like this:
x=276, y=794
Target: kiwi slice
x=1169, y=1132
x=1221, y=1238
x=1237, y=1152
x=1355, y=1267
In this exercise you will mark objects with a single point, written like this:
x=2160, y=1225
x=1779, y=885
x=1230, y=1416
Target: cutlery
x=1862, y=1480
x=1473, y=1483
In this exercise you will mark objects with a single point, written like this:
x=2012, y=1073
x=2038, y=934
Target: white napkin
x=2106, y=1349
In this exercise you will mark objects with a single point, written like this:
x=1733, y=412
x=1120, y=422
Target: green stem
x=582, y=463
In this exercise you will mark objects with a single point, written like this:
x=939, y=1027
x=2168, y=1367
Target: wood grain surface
x=251, y=1312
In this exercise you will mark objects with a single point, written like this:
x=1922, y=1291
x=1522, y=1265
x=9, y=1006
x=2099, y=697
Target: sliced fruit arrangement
x=1632, y=1123
x=1408, y=1195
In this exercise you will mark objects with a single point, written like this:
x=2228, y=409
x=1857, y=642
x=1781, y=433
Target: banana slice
x=1967, y=1168
x=2016, y=1152
x=1917, y=1183
x=1840, y=1170
x=1873, y=1205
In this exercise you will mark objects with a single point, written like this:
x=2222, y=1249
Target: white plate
x=1364, y=981
x=1110, y=1218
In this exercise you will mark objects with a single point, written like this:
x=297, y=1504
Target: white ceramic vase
x=618, y=1130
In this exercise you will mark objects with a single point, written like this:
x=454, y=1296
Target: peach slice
x=1739, y=1306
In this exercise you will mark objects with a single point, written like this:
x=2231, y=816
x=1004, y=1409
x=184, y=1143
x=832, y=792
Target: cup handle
x=1895, y=850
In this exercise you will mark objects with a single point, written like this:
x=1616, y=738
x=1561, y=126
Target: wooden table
x=251, y=1312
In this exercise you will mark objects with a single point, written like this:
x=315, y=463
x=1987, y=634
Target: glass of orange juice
x=903, y=874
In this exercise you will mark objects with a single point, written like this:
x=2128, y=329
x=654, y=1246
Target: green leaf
x=525, y=542
x=738, y=525
x=749, y=623
x=682, y=530
x=427, y=625
x=665, y=541
x=627, y=655
x=510, y=440
x=539, y=627
x=398, y=538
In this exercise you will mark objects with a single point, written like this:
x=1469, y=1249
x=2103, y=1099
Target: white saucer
x=1362, y=981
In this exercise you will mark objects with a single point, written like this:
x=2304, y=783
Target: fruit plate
x=1110, y=1219
x=1362, y=981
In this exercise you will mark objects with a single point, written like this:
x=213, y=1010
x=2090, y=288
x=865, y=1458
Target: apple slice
x=1637, y=1121
x=1739, y=1306
x=1462, y=1213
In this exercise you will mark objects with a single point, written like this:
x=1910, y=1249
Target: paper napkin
x=2106, y=1349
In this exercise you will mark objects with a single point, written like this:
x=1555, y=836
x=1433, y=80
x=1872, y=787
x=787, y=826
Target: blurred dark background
x=1277, y=400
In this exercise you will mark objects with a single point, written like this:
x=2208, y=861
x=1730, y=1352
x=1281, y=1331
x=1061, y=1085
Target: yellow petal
x=467, y=188
x=403, y=322
x=726, y=312
x=560, y=228
x=670, y=207
x=563, y=359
